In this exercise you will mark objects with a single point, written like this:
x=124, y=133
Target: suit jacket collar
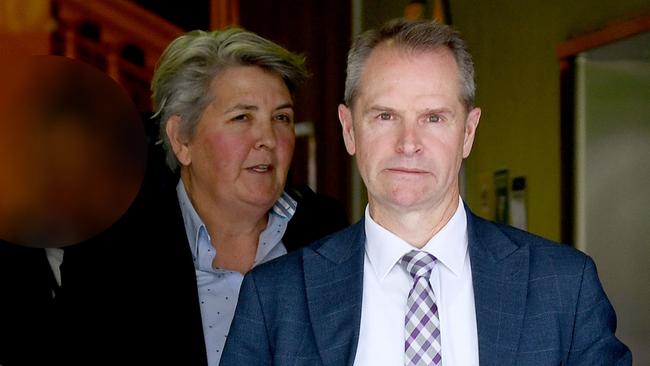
x=334, y=287
x=500, y=270
x=342, y=247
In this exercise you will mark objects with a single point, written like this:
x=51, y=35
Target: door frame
x=566, y=54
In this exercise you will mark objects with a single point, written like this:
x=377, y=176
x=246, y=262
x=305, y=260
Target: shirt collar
x=284, y=207
x=449, y=245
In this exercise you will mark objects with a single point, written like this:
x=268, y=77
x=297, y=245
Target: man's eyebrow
x=441, y=110
x=379, y=108
x=382, y=109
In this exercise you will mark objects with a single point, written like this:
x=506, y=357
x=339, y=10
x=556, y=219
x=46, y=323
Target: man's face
x=409, y=129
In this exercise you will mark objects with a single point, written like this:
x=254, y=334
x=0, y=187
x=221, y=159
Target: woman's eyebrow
x=245, y=107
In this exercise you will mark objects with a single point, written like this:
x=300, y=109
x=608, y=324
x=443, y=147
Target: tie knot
x=418, y=263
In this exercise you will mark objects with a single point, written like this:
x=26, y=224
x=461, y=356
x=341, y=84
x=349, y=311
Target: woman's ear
x=179, y=144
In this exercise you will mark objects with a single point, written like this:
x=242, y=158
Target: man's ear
x=471, y=124
x=345, y=116
x=179, y=144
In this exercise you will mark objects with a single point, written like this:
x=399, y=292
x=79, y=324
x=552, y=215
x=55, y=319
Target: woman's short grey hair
x=411, y=36
x=181, y=82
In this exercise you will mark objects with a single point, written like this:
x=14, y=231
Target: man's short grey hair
x=411, y=36
x=181, y=82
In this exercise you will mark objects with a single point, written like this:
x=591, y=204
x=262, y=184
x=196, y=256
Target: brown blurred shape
x=72, y=150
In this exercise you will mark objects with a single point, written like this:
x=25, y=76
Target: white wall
x=613, y=185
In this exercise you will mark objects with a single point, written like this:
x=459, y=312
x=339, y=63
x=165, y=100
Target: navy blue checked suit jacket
x=537, y=303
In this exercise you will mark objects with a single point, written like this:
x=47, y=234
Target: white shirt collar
x=449, y=245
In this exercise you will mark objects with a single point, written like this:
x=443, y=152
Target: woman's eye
x=241, y=117
x=434, y=118
x=283, y=117
x=384, y=116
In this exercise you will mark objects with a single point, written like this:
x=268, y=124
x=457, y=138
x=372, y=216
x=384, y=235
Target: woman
x=224, y=99
x=225, y=104
x=166, y=278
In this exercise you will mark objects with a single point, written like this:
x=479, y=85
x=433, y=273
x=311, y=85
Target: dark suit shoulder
x=343, y=236
x=547, y=256
x=283, y=267
x=289, y=267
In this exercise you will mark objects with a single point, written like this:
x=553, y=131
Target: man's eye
x=385, y=116
x=433, y=118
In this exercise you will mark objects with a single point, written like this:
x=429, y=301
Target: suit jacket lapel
x=500, y=280
x=334, y=286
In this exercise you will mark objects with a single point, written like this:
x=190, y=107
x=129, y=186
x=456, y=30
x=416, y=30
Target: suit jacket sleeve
x=595, y=323
x=248, y=341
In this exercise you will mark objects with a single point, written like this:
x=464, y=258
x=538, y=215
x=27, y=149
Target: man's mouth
x=407, y=170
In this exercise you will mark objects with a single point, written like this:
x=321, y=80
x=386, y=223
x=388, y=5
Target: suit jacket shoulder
x=547, y=256
x=336, y=247
x=303, y=308
x=139, y=278
x=538, y=302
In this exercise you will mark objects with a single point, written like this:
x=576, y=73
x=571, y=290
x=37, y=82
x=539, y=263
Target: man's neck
x=416, y=227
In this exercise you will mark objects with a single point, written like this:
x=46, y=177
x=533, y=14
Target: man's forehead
x=377, y=73
x=391, y=50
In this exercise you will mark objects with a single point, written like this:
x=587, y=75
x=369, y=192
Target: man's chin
x=403, y=202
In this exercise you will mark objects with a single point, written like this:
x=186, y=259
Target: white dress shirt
x=386, y=285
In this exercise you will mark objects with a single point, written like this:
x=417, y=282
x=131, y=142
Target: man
x=421, y=280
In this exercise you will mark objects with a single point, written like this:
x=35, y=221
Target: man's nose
x=409, y=141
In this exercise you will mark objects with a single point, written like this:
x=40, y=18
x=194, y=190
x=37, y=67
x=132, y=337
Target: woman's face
x=241, y=149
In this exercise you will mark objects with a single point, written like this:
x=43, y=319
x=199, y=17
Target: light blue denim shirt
x=218, y=288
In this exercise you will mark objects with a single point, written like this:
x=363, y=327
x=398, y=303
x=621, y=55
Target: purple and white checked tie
x=422, y=345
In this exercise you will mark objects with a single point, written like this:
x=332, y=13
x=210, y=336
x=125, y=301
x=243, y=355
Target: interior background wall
x=518, y=89
x=518, y=77
x=321, y=31
x=615, y=117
